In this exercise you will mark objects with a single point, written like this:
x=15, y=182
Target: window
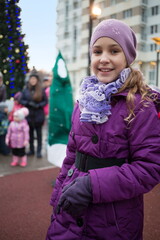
x=143, y=33
x=154, y=10
x=127, y=13
x=144, y=15
x=152, y=78
x=75, y=43
x=154, y=29
x=142, y=47
x=66, y=9
x=113, y=2
x=114, y=16
x=153, y=47
x=75, y=4
x=144, y=1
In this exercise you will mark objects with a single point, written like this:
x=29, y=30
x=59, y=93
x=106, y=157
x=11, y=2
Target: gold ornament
x=17, y=50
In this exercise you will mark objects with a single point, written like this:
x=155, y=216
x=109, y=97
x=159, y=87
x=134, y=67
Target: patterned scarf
x=95, y=97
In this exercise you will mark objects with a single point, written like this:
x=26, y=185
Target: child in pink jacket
x=18, y=137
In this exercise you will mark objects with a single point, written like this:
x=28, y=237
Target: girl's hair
x=37, y=95
x=136, y=84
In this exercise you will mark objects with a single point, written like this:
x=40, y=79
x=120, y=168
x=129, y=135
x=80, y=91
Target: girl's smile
x=107, y=59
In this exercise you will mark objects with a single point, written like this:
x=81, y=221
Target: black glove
x=33, y=104
x=76, y=196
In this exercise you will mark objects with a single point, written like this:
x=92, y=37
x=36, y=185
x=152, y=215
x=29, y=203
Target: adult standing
x=2, y=89
x=3, y=117
x=34, y=98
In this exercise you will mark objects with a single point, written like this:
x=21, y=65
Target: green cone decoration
x=61, y=103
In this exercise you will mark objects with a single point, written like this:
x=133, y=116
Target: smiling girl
x=112, y=156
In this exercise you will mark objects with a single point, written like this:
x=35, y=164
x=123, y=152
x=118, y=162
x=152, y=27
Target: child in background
x=16, y=105
x=18, y=137
x=113, y=151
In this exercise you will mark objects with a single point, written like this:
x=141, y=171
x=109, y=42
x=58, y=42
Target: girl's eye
x=114, y=51
x=97, y=51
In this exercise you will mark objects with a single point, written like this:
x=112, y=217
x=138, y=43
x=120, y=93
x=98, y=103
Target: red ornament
x=17, y=61
x=159, y=115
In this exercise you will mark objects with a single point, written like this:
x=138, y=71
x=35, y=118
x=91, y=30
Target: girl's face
x=33, y=81
x=107, y=59
x=16, y=119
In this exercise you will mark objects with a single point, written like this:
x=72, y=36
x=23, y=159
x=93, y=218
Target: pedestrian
x=3, y=117
x=34, y=98
x=4, y=149
x=16, y=105
x=3, y=94
x=17, y=137
x=112, y=155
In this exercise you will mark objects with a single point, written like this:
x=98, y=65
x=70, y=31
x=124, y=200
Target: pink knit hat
x=119, y=32
x=21, y=113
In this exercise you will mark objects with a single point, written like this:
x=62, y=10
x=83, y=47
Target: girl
x=18, y=137
x=34, y=98
x=113, y=150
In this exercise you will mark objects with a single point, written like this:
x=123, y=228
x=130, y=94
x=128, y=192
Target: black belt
x=86, y=162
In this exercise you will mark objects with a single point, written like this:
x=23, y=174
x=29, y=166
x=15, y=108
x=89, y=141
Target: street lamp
x=94, y=12
x=157, y=41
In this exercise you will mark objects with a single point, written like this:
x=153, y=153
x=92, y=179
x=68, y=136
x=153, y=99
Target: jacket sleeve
x=67, y=164
x=4, y=95
x=130, y=180
x=24, y=100
x=8, y=135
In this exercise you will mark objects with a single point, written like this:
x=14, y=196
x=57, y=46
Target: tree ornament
x=17, y=61
x=17, y=50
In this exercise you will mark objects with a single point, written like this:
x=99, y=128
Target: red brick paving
x=25, y=210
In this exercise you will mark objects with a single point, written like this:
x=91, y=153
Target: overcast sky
x=39, y=24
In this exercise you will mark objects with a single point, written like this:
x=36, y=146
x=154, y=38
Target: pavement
x=34, y=163
x=25, y=211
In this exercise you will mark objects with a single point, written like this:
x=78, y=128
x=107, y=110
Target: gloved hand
x=26, y=143
x=7, y=142
x=33, y=104
x=76, y=196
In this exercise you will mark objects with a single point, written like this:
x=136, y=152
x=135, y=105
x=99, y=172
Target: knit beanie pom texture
x=21, y=113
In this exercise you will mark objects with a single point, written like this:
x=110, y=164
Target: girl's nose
x=104, y=58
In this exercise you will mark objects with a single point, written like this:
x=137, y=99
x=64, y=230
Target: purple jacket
x=18, y=134
x=117, y=209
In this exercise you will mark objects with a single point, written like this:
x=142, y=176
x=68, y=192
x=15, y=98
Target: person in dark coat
x=3, y=117
x=113, y=151
x=4, y=149
x=3, y=94
x=34, y=98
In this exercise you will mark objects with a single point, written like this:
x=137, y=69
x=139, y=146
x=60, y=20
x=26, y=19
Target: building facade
x=73, y=30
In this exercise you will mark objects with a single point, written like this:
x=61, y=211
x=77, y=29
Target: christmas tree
x=61, y=107
x=13, y=54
